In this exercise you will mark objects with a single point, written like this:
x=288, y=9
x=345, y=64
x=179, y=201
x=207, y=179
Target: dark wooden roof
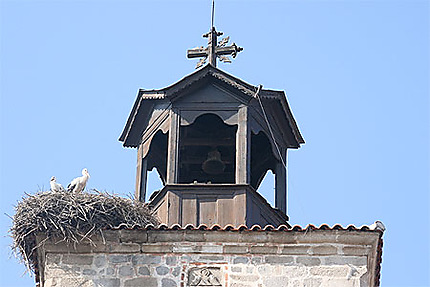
x=147, y=98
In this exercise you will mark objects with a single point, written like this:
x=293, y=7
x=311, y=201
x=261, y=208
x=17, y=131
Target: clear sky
x=356, y=74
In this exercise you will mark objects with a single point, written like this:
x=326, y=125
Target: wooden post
x=142, y=165
x=173, y=147
x=281, y=184
x=243, y=145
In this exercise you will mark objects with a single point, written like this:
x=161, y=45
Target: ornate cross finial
x=214, y=49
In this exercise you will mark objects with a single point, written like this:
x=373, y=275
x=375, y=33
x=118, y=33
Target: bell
x=214, y=164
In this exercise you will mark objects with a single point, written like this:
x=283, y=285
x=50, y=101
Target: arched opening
x=207, y=151
x=262, y=158
x=157, y=155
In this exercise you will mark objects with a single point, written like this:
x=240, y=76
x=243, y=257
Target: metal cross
x=214, y=49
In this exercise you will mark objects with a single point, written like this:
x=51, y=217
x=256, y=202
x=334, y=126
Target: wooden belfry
x=212, y=138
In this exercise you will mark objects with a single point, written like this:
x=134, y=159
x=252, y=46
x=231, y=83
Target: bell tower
x=212, y=138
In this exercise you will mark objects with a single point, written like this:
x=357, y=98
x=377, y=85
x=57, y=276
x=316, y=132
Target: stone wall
x=176, y=258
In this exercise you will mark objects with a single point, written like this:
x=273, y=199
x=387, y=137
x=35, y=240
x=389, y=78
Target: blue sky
x=356, y=74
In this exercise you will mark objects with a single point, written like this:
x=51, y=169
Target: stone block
x=256, y=259
x=195, y=236
x=254, y=237
x=52, y=258
x=265, y=269
x=176, y=271
x=76, y=281
x=234, y=249
x=143, y=270
x=344, y=260
x=318, y=236
x=166, y=236
x=121, y=258
x=126, y=271
x=264, y=249
x=295, y=271
x=324, y=250
x=89, y=272
x=100, y=261
x=134, y=236
x=162, y=270
x=110, y=271
x=236, y=269
x=111, y=236
x=193, y=248
x=186, y=248
x=152, y=248
x=62, y=247
x=80, y=248
x=330, y=271
x=241, y=259
x=278, y=281
x=53, y=272
x=209, y=258
x=166, y=282
x=222, y=236
x=309, y=261
x=356, y=250
x=282, y=238
x=100, y=247
x=77, y=259
x=279, y=259
x=58, y=248
x=107, y=282
x=211, y=249
x=171, y=260
x=186, y=258
x=140, y=282
x=143, y=259
x=124, y=248
x=295, y=249
x=358, y=238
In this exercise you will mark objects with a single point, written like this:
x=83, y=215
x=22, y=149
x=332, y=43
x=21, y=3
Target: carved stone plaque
x=204, y=276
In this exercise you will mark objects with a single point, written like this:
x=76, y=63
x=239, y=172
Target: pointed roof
x=147, y=98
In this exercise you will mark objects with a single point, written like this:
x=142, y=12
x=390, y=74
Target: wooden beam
x=141, y=170
x=243, y=148
x=173, y=147
x=281, y=184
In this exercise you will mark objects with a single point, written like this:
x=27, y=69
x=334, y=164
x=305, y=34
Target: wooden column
x=243, y=148
x=173, y=147
x=142, y=165
x=281, y=184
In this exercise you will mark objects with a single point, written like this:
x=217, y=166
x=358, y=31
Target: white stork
x=55, y=187
x=78, y=184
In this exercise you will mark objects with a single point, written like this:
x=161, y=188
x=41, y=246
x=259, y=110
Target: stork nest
x=72, y=218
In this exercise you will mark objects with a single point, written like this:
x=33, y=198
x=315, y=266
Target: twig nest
x=72, y=217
